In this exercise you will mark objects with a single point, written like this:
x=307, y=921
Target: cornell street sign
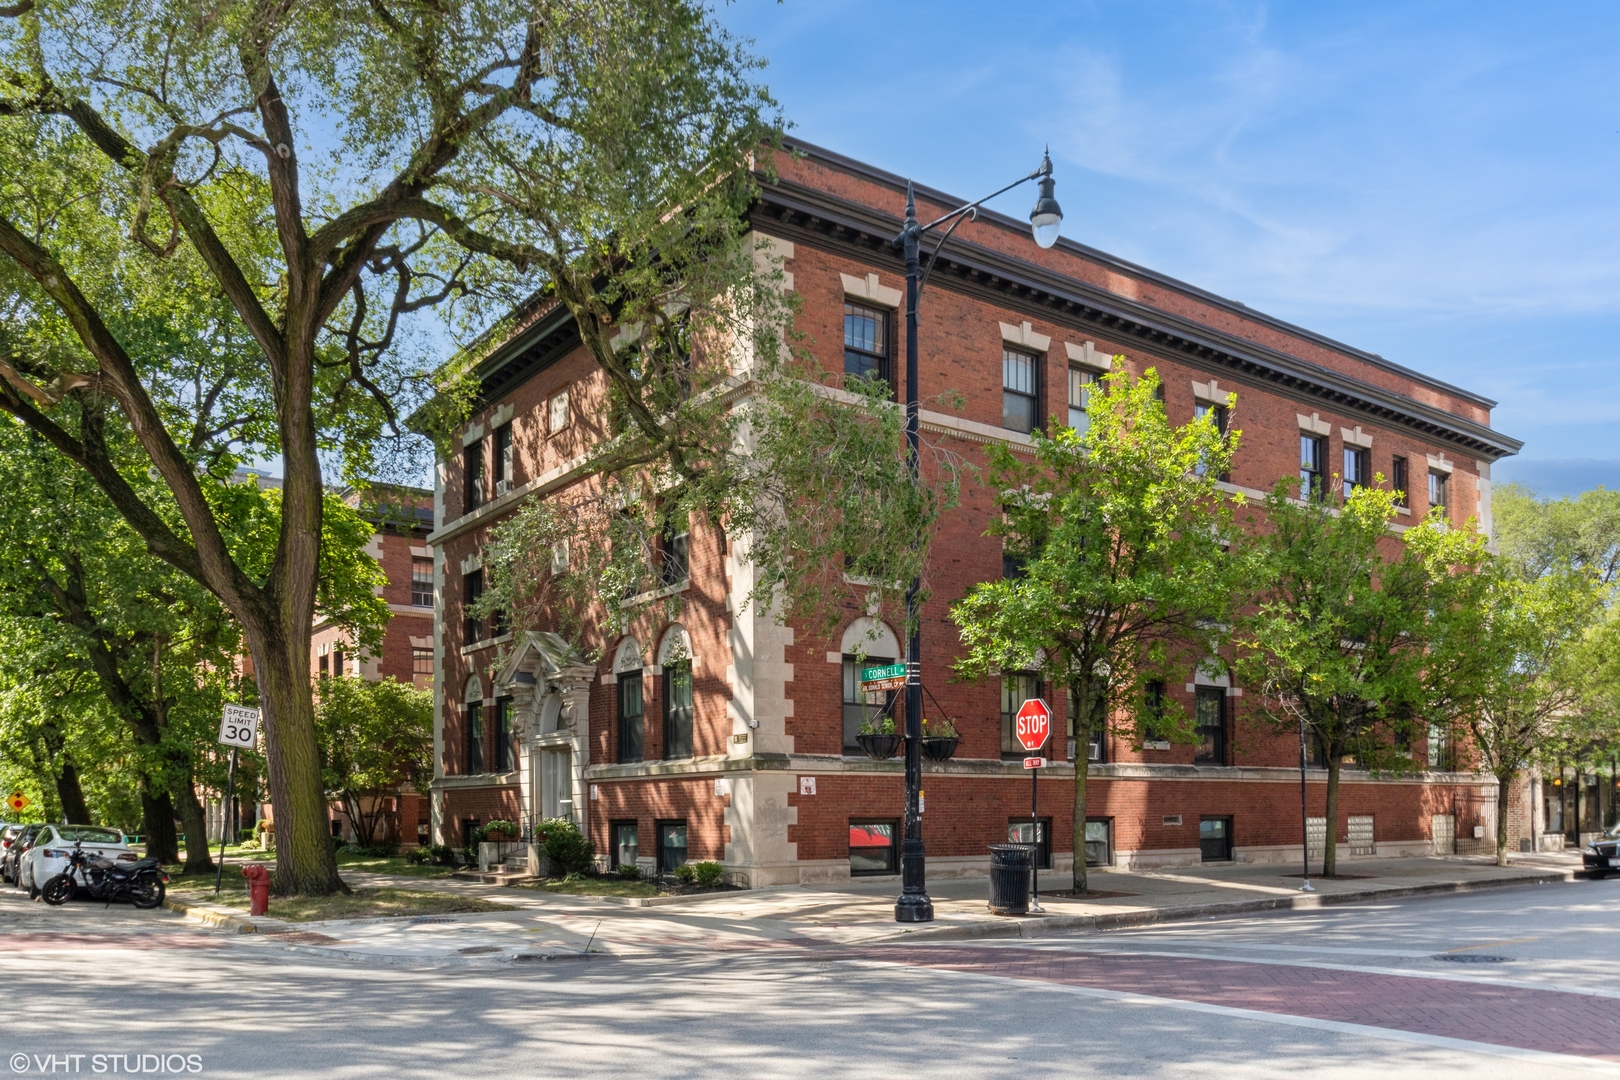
x=887, y=677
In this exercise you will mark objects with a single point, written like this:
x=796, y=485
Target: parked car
x=49, y=854
x=1602, y=856
x=11, y=856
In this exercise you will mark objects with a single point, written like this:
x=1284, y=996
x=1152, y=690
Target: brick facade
x=767, y=699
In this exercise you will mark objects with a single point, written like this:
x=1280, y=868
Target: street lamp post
x=914, y=905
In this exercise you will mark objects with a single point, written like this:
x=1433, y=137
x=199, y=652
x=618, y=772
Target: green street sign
x=892, y=676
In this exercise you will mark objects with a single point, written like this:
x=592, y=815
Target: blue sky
x=1432, y=182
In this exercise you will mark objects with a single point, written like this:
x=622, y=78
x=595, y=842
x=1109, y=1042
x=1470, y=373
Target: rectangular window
x=678, y=710
x=1356, y=470
x=1099, y=841
x=861, y=707
x=1438, y=483
x=472, y=590
x=421, y=581
x=1312, y=455
x=625, y=847
x=1082, y=384
x=671, y=845
x=874, y=847
x=557, y=413
x=674, y=553
x=1209, y=706
x=1215, y=839
x=472, y=463
x=503, y=457
x=1399, y=481
x=1218, y=414
x=503, y=734
x=337, y=663
x=1439, y=747
x=631, y=715
x=1016, y=689
x=1019, y=397
x=866, y=342
x=422, y=668
x=1096, y=740
x=1012, y=566
x=1019, y=831
x=1153, y=726
x=475, y=737
x=324, y=663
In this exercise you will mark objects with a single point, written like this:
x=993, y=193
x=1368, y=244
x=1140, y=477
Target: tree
x=270, y=198
x=375, y=736
x=1121, y=536
x=1335, y=644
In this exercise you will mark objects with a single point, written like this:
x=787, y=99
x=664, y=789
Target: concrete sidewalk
x=553, y=926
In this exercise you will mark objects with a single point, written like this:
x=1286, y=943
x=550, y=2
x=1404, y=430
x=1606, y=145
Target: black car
x=1602, y=856
x=12, y=854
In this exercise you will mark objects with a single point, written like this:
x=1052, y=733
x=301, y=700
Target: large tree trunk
x=1082, y=766
x=74, y=810
x=1502, y=784
x=305, y=861
x=1330, y=853
x=199, y=860
x=157, y=815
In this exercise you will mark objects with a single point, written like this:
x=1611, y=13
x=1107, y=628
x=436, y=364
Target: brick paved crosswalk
x=1546, y=1020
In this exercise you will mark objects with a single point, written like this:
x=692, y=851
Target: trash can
x=1009, y=879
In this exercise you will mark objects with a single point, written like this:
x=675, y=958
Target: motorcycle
x=143, y=883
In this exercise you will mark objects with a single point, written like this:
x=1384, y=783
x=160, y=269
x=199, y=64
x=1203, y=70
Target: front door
x=556, y=785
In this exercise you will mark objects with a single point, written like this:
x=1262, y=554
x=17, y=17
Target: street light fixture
x=914, y=905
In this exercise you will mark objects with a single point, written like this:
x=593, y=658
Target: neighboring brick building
x=769, y=783
x=403, y=517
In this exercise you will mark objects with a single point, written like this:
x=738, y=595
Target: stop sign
x=1034, y=725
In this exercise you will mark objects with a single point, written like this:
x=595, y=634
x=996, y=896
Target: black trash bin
x=1009, y=879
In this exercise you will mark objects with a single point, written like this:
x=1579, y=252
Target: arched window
x=867, y=643
x=631, y=699
x=675, y=658
x=473, y=711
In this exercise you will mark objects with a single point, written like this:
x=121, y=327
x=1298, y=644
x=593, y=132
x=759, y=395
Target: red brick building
x=403, y=517
x=746, y=751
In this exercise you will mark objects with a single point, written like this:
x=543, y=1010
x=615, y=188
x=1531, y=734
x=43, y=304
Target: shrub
x=500, y=829
x=419, y=856
x=442, y=854
x=685, y=874
x=565, y=846
x=629, y=871
x=707, y=874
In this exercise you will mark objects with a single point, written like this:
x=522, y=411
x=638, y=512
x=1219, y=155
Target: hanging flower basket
x=939, y=747
x=879, y=747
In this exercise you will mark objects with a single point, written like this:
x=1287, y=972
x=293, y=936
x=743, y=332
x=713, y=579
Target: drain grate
x=1473, y=958
x=421, y=919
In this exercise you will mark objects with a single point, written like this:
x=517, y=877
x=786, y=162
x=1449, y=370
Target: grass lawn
x=362, y=903
x=602, y=886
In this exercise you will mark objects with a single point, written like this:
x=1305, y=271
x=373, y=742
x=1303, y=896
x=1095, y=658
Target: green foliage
x=374, y=737
x=1121, y=534
x=686, y=873
x=707, y=874
x=939, y=729
x=884, y=726
x=1549, y=535
x=419, y=856
x=501, y=829
x=567, y=848
x=629, y=871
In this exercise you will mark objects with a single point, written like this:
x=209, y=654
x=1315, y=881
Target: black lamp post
x=1045, y=219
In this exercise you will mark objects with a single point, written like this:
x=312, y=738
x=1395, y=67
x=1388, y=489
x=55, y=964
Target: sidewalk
x=552, y=926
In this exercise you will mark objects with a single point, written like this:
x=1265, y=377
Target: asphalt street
x=1354, y=991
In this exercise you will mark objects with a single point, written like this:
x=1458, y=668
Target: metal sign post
x=1033, y=727
x=238, y=728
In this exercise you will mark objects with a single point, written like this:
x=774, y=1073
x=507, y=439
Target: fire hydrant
x=258, y=879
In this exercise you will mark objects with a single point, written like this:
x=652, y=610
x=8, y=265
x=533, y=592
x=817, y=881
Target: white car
x=49, y=855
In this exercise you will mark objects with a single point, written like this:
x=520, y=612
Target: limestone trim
x=1210, y=392
x=473, y=434
x=1089, y=356
x=1314, y=424
x=1356, y=437
x=1024, y=335
x=872, y=291
x=1438, y=463
x=502, y=415
x=472, y=562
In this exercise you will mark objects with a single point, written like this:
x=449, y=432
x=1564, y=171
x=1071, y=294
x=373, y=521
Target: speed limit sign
x=239, y=726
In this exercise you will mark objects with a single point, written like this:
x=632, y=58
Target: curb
x=1039, y=926
x=217, y=916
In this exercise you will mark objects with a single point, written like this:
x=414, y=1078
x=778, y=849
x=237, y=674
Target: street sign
x=239, y=726
x=1034, y=763
x=17, y=801
x=1034, y=724
x=884, y=677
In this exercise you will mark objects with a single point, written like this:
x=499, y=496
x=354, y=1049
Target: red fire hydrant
x=258, y=879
